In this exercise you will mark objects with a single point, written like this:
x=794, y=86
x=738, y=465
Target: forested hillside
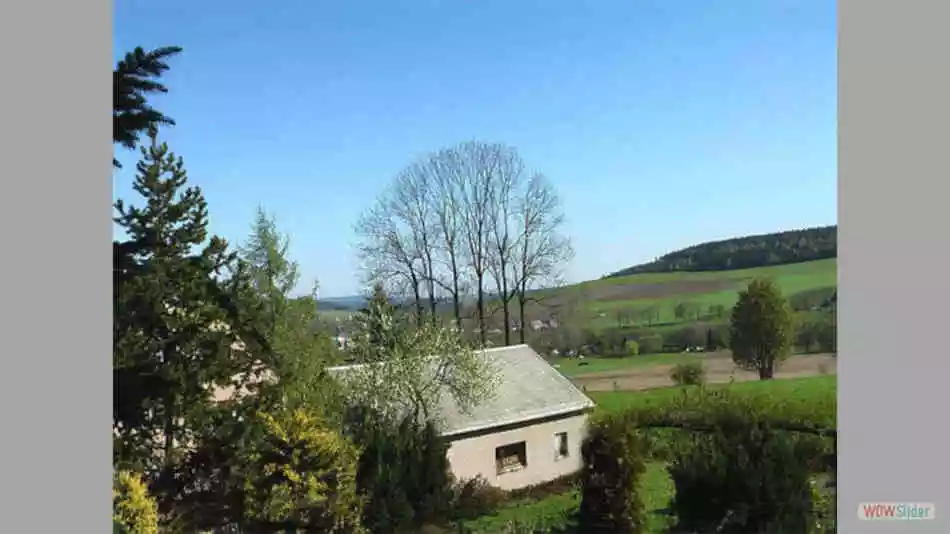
x=745, y=252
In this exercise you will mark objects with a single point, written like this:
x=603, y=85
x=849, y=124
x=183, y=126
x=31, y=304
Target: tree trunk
x=456, y=297
x=766, y=371
x=521, y=321
x=505, y=303
x=481, y=307
x=418, y=300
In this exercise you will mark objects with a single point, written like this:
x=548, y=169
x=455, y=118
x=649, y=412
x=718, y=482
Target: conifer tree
x=135, y=78
x=178, y=314
x=301, y=351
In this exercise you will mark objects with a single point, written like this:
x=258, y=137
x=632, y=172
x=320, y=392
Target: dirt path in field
x=719, y=369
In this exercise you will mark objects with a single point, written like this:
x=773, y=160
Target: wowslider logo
x=896, y=511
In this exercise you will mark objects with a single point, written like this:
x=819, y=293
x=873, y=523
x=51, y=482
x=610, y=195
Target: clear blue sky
x=662, y=123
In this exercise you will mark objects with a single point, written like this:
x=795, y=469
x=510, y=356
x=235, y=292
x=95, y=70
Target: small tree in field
x=760, y=330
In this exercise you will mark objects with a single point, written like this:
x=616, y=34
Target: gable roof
x=528, y=388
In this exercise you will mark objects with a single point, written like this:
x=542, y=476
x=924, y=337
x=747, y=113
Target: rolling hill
x=779, y=248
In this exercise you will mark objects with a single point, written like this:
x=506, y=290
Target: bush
x=403, y=470
x=811, y=299
x=300, y=473
x=633, y=348
x=743, y=477
x=476, y=497
x=613, y=466
x=690, y=336
x=651, y=344
x=688, y=374
x=134, y=511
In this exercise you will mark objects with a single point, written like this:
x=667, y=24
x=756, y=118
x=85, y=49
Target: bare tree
x=503, y=231
x=411, y=204
x=448, y=185
x=465, y=217
x=477, y=166
x=388, y=255
x=542, y=249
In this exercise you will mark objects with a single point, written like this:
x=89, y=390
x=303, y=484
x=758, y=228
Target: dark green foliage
x=688, y=374
x=475, y=497
x=737, y=462
x=613, y=465
x=378, y=319
x=651, y=344
x=174, y=288
x=817, y=334
x=717, y=337
x=403, y=470
x=747, y=252
x=813, y=299
x=743, y=477
x=690, y=336
x=135, y=78
x=717, y=311
x=760, y=329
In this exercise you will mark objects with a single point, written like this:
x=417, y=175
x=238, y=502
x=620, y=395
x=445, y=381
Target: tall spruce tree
x=134, y=79
x=178, y=314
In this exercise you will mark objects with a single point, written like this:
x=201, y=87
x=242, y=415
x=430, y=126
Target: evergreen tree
x=136, y=77
x=378, y=322
x=760, y=328
x=301, y=350
x=178, y=313
x=273, y=273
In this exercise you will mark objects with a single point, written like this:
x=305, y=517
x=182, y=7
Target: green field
x=598, y=302
x=812, y=397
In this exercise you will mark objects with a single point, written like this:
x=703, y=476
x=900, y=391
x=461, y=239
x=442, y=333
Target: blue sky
x=662, y=123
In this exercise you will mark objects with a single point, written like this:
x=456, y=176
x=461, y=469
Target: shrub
x=300, y=473
x=688, y=374
x=613, y=466
x=651, y=344
x=403, y=470
x=811, y=299
x=134, y=511
x=743, y=477
x=476, y=497
x=633, y=348
x=690, y=336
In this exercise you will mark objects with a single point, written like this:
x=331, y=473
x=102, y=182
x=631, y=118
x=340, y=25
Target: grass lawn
x=555, y=512
x=813, y=397
x=571, y=367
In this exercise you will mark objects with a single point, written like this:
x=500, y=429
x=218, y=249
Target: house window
x=560, y=446
x=511, y=457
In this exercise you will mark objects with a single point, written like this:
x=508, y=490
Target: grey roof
x=529, y=388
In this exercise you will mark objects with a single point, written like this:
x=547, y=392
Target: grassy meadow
x=600, y=301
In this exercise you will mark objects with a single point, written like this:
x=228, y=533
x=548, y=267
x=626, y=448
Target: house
x=529, y=432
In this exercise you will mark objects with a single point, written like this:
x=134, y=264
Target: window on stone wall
x=512, y=457
x=560, y=446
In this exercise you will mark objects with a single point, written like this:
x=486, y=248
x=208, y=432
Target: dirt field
x=719, y=369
